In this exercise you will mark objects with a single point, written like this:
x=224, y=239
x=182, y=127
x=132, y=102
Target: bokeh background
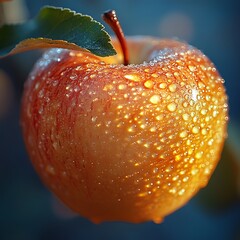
x=28, y=211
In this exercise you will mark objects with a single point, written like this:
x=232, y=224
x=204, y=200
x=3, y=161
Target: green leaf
x=56, y=27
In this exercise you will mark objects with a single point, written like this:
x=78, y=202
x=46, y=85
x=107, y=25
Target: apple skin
x=125, y=143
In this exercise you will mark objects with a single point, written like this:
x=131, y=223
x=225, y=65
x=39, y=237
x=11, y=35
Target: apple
x=128, y=142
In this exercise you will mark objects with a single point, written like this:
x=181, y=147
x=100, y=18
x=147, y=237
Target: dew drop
x=169, y=169
x=76, y=89
x=215, y=113
x=201, y=85
x=108, y=87
x=159, y=147
x=146, y=145
x=40, y=111
x=122, y=86
x=162, y=85
x=153, y=129
x=207, y=118
x=168, y=74
x=172, y=87
x=94, y=119
x=210, y=142
x=37, y=85
x=194, y=171
x=195, y=130
x=185, y=179
x=50, y=169
x=41, y=93
x=198, y=155
x=178, y=157
x=195, y=119
x=155, y=99
x=154, y=75
x=185, y=116
x=203, y=111
x=208, y=98
x=181, y=192
x=148, y=84
x=132, y=128
x=172, y=107
x=73, y=77
x=207, y=171
x=183, y=134
x=185, y=104
x=190, y=151
x=55, y=145
x=204, y=131
x=93, y=76
x=55, y=83
x=192, y=68
x=194, y=95
x=173, y=190
x=143, y=126
x=132, y=77
x=182, y=172
x=160, y=117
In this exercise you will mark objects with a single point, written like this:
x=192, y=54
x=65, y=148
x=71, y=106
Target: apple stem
x=110, y=17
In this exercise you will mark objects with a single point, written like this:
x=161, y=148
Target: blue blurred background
x=28, y=211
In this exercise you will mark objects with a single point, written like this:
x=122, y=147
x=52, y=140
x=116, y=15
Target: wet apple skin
x=125, y=143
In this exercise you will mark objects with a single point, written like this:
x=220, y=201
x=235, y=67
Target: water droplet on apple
x=172, y=107
x=215, y=113
x=93, y=76
x=40, y=110
x=132, y=77
x=173, y=190
x=108, y=87
x=198, y=155
x=194, y=171
x=155, y=99
x=181, y=192
x=172, y=88
x=160, y=117
x=132, y=128
x=203, y=111
x=153, y=129
x=37, y=85
x=122, y=86
x=185, y=179
x=148, y=84
x=185, y=117
x=162, y=85
x=50, y=169
x=94, y=119
x=195, y=130
x=207, y=171
x=210, y=142
x=154, y=75
x=201, y=85
x=204, y=131
x=183, y=134
x=169, y=75
x=192, y=68
x=55, y=145
x=55, y=83
x=73, y=77
x=41, y=93
x=169, y=169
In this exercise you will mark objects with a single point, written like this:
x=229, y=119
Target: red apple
x=130, y=143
